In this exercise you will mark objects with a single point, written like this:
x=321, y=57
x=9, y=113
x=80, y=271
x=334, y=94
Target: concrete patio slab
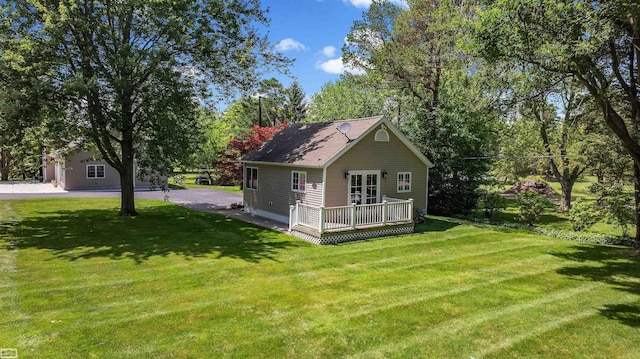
x=29, y=187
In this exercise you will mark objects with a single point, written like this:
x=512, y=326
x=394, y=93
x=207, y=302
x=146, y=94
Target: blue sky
x=312, y=32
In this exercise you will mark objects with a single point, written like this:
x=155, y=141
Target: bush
x=583, y=215
x=531, y=205
x=616, y=205
x=565, y=234
x=227, y=168
x=491, y=203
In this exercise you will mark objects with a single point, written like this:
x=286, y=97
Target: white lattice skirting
x=335, y=238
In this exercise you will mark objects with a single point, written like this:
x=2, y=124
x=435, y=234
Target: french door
x=364, y=187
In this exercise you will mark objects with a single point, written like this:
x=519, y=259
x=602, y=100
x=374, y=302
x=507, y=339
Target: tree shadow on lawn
x=610, y=265
x=435, y=224
x=157, y=231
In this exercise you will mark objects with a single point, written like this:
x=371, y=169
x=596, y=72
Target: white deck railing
x=322, y=219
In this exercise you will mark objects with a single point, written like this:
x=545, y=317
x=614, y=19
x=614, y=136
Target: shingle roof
x=310, y=144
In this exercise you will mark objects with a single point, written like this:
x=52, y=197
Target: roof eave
x=409, y=144
x=280, y=164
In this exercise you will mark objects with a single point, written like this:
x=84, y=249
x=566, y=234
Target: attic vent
x=382, y=136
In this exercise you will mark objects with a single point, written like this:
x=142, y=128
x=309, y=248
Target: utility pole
x=259, y=111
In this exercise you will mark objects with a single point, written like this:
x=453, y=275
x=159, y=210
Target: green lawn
x=190, y=179
x=554, y=217
x=76, y=281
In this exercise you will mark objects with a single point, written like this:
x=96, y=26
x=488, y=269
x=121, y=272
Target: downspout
x=426, y=202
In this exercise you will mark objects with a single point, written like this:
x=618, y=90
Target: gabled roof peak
x=318, y=144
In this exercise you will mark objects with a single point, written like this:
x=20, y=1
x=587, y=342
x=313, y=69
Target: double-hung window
x=95, y=171
x=404, y=181
x=298, y=181
x=251, y=178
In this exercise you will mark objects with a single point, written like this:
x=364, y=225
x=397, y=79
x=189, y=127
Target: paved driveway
x=206, y=200
x=200, y=198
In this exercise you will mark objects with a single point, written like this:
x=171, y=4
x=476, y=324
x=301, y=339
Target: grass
x=190, y=179
x=553, y=217
x=78, y=282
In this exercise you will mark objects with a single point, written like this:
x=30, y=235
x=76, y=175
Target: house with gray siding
x=82, y=170
x=338, y=181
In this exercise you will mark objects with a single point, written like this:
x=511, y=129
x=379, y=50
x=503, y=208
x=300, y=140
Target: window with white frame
x=298, y=181
x=251, y=178
x=95, y=171
x=404, y=181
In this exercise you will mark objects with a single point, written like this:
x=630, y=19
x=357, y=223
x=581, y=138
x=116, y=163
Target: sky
x=312, y=32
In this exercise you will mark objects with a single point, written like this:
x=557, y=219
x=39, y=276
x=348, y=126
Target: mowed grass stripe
x=212, y=295
x=455, y=292
x=10, y=304
x=465, y=323
x=434, y=284
x=496, y=249
x=386, y=244
x=554, y=324
x=352, y=310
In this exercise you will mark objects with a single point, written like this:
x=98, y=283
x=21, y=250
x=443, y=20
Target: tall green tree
x=344, y=99
x=270, y=102
x=464, y=136
x=26, y=102
x=596, y=42
x=414, y=52
x=296, y=105
x=562, y=134
x=519, y=149
x=132, y=71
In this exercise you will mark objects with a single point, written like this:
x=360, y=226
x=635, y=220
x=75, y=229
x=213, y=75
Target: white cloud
x=290, y=44
x=329, y=51
x=364, y=4
x=336, y=67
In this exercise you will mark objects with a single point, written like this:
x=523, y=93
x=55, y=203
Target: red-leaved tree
x=227, y=166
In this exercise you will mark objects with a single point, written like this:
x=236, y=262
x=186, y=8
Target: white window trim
x=398, y=190
x=364, y=173
x=104, y=172
x=246, y=177
x=293, y=181
x=382, y=135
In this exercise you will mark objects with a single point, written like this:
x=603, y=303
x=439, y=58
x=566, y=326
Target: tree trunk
x=5, y=161
x=127, y=193
x=636, y=197
x=565, y=199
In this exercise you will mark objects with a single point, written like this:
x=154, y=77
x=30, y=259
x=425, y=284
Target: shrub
x=227, y=167
x=491, y=203
x=531, y=206
x=583, y=215
x=615, y=204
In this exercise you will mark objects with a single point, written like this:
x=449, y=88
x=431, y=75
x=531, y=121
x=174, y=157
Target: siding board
x=367, y=154
x=75, y=174
x=274, y=192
